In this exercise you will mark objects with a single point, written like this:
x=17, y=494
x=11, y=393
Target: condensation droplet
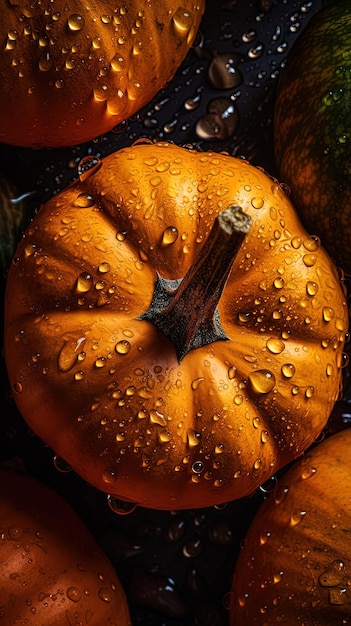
x=123, y=347
x=75, y=22
x=333, y=575
x=311, y=288
x=88, y=166
x=297, y=517
x=170, y=235
x=183, y=22
x=288, y=370
x=84, y=201
x=276, y=346
x=84, y=282
x=262, y=381
x=121, y=507
x=74, y=594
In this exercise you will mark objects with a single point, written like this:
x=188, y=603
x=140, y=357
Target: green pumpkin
x=312, y=128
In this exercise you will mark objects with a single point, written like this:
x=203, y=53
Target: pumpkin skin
x=295, y=563
x=52, y=569
x=107, y=390
x=311, y=128
x=72, y=71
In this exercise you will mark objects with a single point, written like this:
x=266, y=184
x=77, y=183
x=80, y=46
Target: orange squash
x=72, y=71
x=168, y=355
x=294, y=567
x=311, y=128
x=52, y=569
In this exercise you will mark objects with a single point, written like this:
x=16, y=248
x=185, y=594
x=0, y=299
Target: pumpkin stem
x=185, y=310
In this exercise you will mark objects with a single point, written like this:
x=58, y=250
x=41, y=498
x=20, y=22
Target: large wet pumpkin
x=312, y=128
x=52, y=570
x=295, y=563
x=172, y=331
x=71, y=71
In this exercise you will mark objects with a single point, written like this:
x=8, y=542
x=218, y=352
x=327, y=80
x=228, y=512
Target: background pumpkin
x=72, y=72
x=295, y=562
x=312, y=128
x=108, y=391
x=52, y=569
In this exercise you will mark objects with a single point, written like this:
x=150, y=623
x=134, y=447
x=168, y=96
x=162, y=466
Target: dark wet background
x=176, y=567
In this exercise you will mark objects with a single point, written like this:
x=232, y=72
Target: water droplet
x=297, y=517
x=45, y=62
x=18, y=387
x=257, y=464
x=257, y=202
x=84, y=282
x=333, y=575
x=197, y=467
x=288, y=370
x=278, y=282
x=88, y=166
x=220, y=122
x=309, y=259
x=15, y=533
x=183, y=22
x=74, y=594
x=121, y=507
x=196, y=383
x=75, y=22
x=169, y=236
x=262, y=381
x=105, y=594
x=193, y=438
x=123, y=347
x=61, y=465
x=311, y=288
x=67, y=356
x=109, y=475
x=276, y=346
x=223, y=72
x=84, y=201
x=337, y=595
x=328, y=313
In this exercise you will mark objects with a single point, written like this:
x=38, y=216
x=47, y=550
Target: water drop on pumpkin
x=84, y=201
x=123, y=347
x=169, y=235
x=84, y=282
x=183, y=22
x=75, y=22
x=67, y=356
x=262, y=381
x=88, y=166
x=276, y=346
x=288, y=370
x=333, y=575
x=193, y=438
x=74, y=594
x=297, y=517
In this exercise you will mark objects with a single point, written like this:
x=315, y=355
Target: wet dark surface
x=176, y=567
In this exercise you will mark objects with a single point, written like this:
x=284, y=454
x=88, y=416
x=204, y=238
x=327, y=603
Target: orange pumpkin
x=52, y=569
x=294, y=567
x=72, y=71
x=131, y=352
